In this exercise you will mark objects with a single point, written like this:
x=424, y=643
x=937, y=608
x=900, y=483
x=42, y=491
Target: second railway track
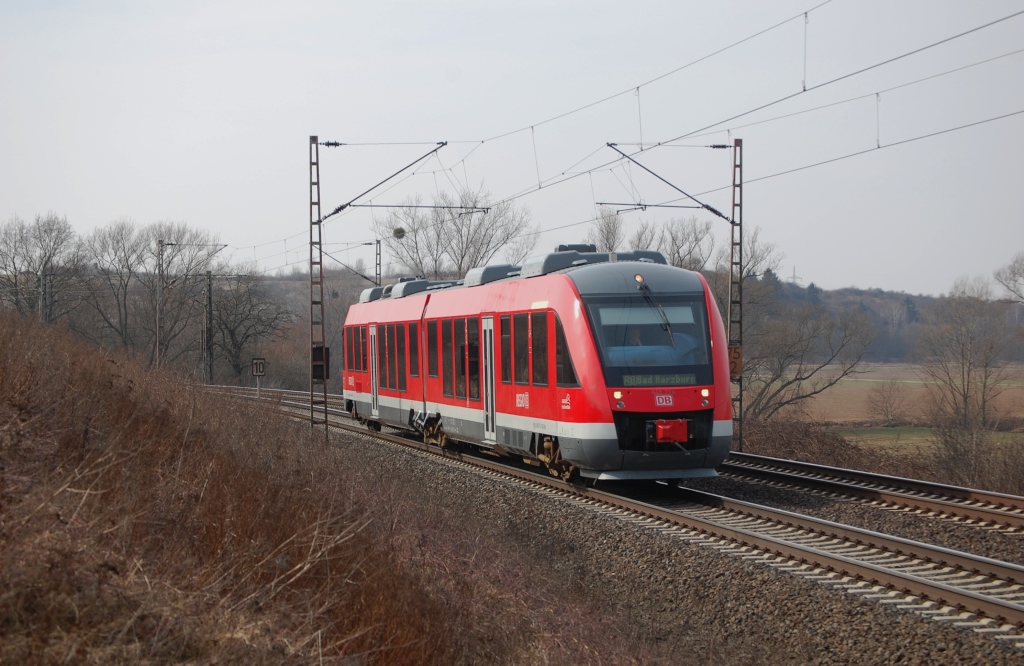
x=981, y=508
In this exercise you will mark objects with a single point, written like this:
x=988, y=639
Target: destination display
x=659, y=380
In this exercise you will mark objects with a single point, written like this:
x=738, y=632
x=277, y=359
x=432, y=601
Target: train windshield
x=651, y=339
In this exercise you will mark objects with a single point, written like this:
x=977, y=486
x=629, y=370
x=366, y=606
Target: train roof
x=578, y=261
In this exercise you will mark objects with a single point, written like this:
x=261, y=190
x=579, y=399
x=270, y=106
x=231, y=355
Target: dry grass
x=144, y=522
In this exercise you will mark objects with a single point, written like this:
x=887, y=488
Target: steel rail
x=981, y=505
x=936, y=554
x=909, y=583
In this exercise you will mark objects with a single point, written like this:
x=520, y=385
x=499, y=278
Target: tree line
x=799, y=342
x=157, y=291
x=144, y=289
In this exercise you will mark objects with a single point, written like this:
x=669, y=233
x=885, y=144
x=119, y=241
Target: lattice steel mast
x=735, y=332
x=318, y=354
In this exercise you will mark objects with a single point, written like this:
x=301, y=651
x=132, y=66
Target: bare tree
x=448, y=241
x=645, y=237
x=799, y=351
x=961, y=347
x=187, y=254
x=39, y=266
x=123, y=286
x=520, y=247
x=687, y=243
x=607, y=232
x=16, y=279
x=1011, y=277
x=116, y=255
x=761, y=261
x=790, y=352
x=889, y=400
x=415, y=238
x=244, y=315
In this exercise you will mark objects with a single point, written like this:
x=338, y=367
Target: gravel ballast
x=943, y=532
x=679, y=601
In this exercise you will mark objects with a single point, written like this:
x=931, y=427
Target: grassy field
x=848, y=401
x=846, y=410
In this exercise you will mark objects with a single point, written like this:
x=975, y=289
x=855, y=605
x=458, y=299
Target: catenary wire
x=660, y=77
x=782, y=99
x=551, y=181
x=847, y=76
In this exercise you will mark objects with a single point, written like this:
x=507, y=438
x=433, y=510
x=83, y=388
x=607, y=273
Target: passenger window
x=521, y=341
x=446, y=357
x=349, y=355
x=392, y=359
x=414, y=350
x=506, y=349
x=565, y=374
x=432, y=348
x=382, y=358
x=361, y=352
x=400, y=347
x=473, y=352
x=460, y=358
x=539, y=336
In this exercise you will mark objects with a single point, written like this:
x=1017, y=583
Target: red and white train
x=602, y=365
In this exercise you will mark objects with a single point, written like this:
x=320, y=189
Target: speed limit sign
x=259, y=367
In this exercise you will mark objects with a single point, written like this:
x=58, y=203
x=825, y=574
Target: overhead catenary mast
x=319, y=355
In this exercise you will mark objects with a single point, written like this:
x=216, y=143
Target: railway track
x=975, y=507
x=971, y=591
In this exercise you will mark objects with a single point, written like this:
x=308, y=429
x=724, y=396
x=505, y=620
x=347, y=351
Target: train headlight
x=704, y=393
x=617, y=395
x=620, y=404
x=639, y=278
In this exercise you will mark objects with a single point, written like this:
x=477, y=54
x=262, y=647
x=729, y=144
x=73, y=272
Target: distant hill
x=897, y=316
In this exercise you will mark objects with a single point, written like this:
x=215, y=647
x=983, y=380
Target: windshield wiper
x=665, y=326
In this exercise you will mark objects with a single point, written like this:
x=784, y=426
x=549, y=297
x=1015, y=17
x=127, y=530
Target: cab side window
x=521, y=341
x=539, y=338
x=565, y=374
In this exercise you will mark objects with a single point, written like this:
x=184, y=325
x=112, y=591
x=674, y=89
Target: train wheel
x=551, y=456
x=433, y=433
x=373, y=426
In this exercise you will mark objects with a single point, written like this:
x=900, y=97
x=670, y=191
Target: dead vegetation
x=144, y=522
x=813, y=442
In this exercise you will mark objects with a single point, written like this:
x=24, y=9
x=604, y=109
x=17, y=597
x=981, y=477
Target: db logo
x=663, y=400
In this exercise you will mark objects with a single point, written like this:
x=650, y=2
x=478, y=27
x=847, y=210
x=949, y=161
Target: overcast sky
x=201, y=112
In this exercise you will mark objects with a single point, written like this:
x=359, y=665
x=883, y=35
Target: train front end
x=662, y=350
